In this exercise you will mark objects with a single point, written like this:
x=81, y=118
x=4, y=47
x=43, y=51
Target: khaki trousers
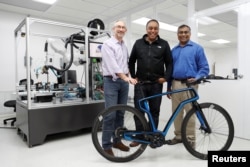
x=176, y=99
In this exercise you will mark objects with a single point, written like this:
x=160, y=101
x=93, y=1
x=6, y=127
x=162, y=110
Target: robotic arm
x=54, y=48
x=57, y=49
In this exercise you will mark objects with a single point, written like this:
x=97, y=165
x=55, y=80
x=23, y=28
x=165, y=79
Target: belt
x=181, y=80
x=110, y=76
x=147, y=82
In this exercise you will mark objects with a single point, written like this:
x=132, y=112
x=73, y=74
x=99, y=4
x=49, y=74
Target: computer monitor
x=95, y=49
x=69, y=76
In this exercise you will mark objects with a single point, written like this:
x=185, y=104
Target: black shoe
x=173, y=141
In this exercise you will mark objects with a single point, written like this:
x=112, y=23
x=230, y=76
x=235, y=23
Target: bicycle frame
x=144, y=106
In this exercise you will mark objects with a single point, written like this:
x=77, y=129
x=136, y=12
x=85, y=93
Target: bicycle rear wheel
x=200, y=142
x=129, y=125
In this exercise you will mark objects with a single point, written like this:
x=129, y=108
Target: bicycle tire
x=221, y=136
x=129, y=124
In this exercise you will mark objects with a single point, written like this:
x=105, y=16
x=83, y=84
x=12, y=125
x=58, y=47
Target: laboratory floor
x=75, y=149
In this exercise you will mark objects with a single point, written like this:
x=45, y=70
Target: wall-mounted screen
x=95, y=49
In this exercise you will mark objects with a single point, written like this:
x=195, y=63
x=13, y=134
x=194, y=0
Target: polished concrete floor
x=75, y=149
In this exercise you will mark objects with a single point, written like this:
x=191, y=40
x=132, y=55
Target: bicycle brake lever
x=205, y=80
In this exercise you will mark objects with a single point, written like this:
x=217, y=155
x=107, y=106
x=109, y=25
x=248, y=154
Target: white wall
x=244, y=68
x=8, y=23
x=226, y=60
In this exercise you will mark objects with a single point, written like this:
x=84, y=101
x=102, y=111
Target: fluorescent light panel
x=168, y=27
x=201, y=34
x=220, y=41
x=164, y=26
x=207, y=21
x=46, y=1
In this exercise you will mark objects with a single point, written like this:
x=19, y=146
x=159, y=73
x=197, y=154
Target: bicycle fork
x=202, y=119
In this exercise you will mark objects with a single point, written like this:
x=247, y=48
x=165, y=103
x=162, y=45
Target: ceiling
x=172, y=12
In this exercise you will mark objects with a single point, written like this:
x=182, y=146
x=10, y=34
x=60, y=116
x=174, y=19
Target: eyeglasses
x=120, y=27
x=183, y=32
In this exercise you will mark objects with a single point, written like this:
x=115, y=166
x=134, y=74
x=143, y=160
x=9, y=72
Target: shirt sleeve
x=202, y=63
x=168, y=63
x=132, y=61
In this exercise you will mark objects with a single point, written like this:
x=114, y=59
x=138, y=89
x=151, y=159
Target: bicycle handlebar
x=194, y=94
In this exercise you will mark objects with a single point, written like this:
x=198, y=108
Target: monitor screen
x=95, y=50
x=69, y=76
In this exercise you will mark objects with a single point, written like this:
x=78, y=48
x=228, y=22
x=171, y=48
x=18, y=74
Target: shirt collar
x=189, y=43
x=116, y=41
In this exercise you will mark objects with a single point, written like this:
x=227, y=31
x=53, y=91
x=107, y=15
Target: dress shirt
x=189, y=61
x=114, y=58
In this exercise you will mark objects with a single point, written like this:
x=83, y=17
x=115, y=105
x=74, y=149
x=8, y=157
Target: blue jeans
x=115, y=92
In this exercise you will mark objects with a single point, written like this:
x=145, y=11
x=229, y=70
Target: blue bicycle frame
x=144, y=106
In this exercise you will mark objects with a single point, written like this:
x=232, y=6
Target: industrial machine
x=64, y=61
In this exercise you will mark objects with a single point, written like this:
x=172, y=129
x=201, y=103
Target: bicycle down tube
x=143, y=103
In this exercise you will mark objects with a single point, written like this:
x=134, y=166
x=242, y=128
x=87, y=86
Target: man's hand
x=126, y=78
x=190, y=80
x=132, y=81
x=161, y=80
x=169, y=95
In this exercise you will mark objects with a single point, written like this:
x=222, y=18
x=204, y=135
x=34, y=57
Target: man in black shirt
x=154, y=67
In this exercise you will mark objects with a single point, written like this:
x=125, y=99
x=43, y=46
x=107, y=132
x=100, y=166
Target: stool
x=10, y=103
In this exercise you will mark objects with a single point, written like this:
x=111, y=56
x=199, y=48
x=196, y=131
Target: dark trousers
x=145, y=90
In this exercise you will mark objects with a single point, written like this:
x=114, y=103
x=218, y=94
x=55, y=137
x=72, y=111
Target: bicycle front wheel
x=197, y=140
x=128, y=126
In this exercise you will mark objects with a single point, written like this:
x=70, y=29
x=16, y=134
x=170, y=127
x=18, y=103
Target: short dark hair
x=184, y=25
x=152, y=20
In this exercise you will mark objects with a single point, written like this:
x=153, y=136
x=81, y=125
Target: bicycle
x=214, y=129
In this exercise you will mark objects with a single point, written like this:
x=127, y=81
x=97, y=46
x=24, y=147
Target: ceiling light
x=46, y=1
x=220, y=41
x=164, y=26
x=207, y=20
x=143, y=21
x=168, y=27
x=201, y=34
x=236, y=10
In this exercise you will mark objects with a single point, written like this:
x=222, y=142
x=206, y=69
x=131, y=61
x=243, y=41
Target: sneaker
x=109, y=151
x=134, y=144
x=121, y=146
x=192, y=144
x=173, y=141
